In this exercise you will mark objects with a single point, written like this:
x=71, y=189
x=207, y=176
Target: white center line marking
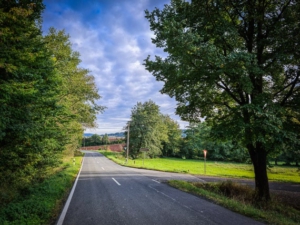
x=156, y=181
x=102, y=168
x=116, y=181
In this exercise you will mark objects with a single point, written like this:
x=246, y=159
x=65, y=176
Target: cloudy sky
x=113, y=38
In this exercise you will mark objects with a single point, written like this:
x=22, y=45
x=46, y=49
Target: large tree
x=28, y=95
x=45, y=98
x=146, y=129
x=171, y=144
x=236, y=63
x=78, y=92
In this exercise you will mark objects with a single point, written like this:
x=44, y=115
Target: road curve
x=107, y=193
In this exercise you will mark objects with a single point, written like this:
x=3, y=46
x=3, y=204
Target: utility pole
x=128, y=128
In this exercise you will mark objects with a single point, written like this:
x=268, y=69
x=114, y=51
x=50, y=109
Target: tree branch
x=224, y=87
x=291, y=90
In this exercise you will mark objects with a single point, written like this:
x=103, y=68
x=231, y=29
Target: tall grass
x=239, y=198
x=42, y=202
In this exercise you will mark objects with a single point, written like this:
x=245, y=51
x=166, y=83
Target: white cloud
x=113, y=40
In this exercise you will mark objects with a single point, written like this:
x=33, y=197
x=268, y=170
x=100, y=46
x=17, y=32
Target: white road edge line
x=156, y=181
x=116, y=181
x=64, y=212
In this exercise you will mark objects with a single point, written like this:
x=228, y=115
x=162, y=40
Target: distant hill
x=120, y=134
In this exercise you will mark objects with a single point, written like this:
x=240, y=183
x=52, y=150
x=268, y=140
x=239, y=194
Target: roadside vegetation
x=213, y=168
x=42, y=202
x=46, y=101
x=240, y=199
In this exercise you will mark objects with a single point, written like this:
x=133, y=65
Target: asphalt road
x=107, y=193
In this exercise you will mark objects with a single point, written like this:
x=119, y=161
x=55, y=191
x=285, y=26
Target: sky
x=113, y=38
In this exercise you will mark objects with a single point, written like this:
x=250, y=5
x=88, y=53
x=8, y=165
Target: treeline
x=45, y=97
x=150, y=129
x=96, y=139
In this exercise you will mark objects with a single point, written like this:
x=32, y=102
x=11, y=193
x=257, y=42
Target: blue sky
x=113, y=38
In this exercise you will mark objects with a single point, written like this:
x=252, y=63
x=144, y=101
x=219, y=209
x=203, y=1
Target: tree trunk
x=259, y=160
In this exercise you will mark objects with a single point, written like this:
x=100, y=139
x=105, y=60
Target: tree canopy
x=45, y=98
x=236, y=64
x=153, y=130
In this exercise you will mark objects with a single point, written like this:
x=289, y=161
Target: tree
x=96, y=139
x=105, y=139
x=78, y=92
x=45, y=98
x=146, y=129
x=235, y=63
x=171, y=144
x=28, y=95
x=198, y=138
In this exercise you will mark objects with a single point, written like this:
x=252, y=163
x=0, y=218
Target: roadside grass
x=43, y=201
x=196, y=167
x=239, y=198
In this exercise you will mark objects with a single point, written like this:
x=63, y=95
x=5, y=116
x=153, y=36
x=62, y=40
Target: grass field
x=43, y=202
x=220, y=169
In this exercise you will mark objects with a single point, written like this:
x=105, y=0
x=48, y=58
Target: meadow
x=213, y=168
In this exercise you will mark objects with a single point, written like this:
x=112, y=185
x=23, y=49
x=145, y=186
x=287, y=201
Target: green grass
x=42, y=202
x=240, y=200
x=196, y=167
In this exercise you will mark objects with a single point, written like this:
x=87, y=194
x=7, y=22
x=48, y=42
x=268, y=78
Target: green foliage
x=150, y=129
x=198, y=138
x=45, y=98
x=105, y=139
x=39, y=204
x=236, y=64
x=28, y=100
x=171, y=145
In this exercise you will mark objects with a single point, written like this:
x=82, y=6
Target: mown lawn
x=43, y=201
x=220, y=169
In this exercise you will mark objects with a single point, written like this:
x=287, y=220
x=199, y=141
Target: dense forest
x=46, y=99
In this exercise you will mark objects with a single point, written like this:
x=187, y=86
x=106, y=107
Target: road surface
x=107, y=193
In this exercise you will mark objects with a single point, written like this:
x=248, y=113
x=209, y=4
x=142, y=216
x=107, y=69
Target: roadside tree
x=235, y=63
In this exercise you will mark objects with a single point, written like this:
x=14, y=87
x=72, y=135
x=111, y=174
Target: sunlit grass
x=196, y=167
